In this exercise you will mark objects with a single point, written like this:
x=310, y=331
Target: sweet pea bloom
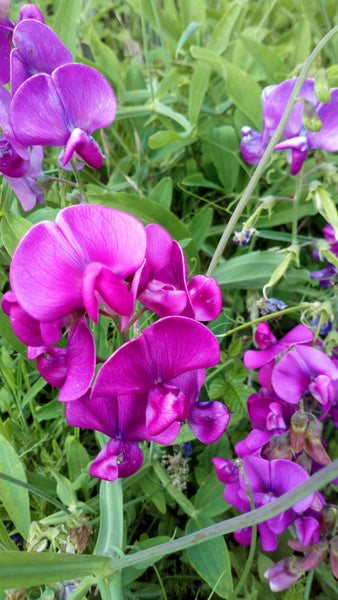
x=71, y=369
x=63, y=109
x=61, y=269
x=298, y=139
x=163, y=286
x=166, y=365
x=267, y=480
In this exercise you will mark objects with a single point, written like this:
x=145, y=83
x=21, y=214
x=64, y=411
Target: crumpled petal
x=208, y=420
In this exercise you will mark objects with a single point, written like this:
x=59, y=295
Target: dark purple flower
x=77, y=263
x=166, y=364
x=37, y=50
x=71, y=369
x=298, y=139
x=163, y=286
x=267, y=480
x=123, y=419
x=63, y=109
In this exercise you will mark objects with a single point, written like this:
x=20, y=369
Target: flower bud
x=284, y=573
x=311, y=121
x=5, y=6
x=304, y=461
x=226, y=470
x=299, y=422
x=313, y=445
x=278, y=447
x=315, y=555
x=322, y=87
x=334, y=556
x=327, y=517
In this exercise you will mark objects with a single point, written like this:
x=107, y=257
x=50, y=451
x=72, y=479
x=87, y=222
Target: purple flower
x=267, y=480
x=328, y=275
x=306, y=368
x=298, y=139
x=164, y=287
x=285, y=573
x=122, y=419
x=77, y=263
x=37, y=50
x=63, y=109
x=166, y=364
x=20, y=167
x=71, y=369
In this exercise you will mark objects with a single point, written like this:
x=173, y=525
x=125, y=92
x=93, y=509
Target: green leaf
x=249, y=271
x=242, y=89
x=64, y=490
x=14, y=498
x=65, y=23
x=162, y=138
x=197, y=89
x=199, y=225
x=222, y=144
x=236, y=392
x=131, y=573
x=153, y=488
x=150, y=212
x=162, y=192
x=197, y=179
x=25, y=569
x=209, y=498
x=77, y=457
x=269, y=59
x=187, y=33
x=106, y=58
x=13, y=228
x=211, y=559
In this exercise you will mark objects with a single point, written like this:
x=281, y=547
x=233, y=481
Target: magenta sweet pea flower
x=166, y=363
x=71, y=369
x=298, y=139
x=123, y=419
x=267, y=480
x=80, y=261
x=37, y=50
x=63, y=109
x=163, y=286
x=306, y=368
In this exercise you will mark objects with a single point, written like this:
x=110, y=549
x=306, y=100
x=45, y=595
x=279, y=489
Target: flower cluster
x=312, y=124
x=299, y=390
x=95, y=260
x=53, y=102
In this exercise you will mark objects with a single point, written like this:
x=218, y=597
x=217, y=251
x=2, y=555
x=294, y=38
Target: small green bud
x=311, y=121
x=322, y=87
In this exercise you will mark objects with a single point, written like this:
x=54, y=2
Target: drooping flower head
x=298, y=140
x=63, y=109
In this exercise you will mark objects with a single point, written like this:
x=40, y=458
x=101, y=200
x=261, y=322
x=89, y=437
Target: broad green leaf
x=242, y=89
x=186, y=35
x=192, y=11
x=223, y=147
x=150, y=212
x=14, y=497
x=162, y=138
x=197, y=89
x=25, y=569
x=7, y=332
x=269, y=59
x=66, y=21
x=249, y=271
x=131, y=573
x=199, y=225
x=13, y=228
x=302, y=41
x=209, y=499
x=64, y=490
x=5, y=541
x=197, y=179
x=162, y=192
x=77, y=457
x=106, y=58
x=153, y=488
x=211, y=559
x=221, y=33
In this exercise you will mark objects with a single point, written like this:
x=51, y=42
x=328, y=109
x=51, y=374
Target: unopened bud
x=315, y=555
x=328, y=517
x=270, y=305
x=284, y=573
x=299, y=422
x=311, y=121
x=5, y=6
x=322, y=86
x=304, y=461
x=226, y=470
x=334, y=556
x=278, y=447
x=313, y=445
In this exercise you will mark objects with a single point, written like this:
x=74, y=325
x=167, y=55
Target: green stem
x=266, y=156
x=110, y=537
x=313, y=484
x=78, y=181
x=279, y=313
